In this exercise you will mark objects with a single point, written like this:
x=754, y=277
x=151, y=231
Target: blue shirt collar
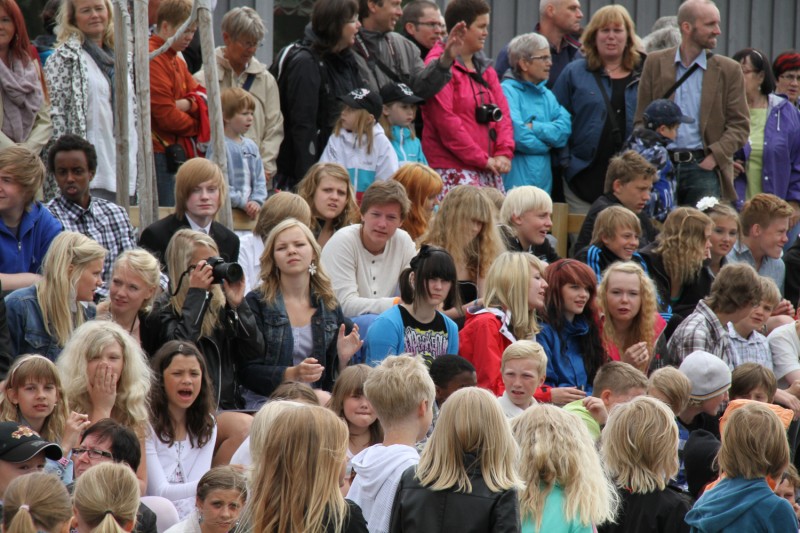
x=701, y=59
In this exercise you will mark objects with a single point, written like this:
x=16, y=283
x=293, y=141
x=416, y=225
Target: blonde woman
x=466, y=226
x=631, y=326
x=36, y=502
x=675, y=261
x=466, y=479
x=80, y=80
x=106, y=500
x=640, y=451
x=105, y=375
x=515, y=288
x=566, y=488
x=307, y=336
x=250, y=452
x=134, y=283
x=41, y=318
x=423, y=186
x=327, y=189
x=298, y=489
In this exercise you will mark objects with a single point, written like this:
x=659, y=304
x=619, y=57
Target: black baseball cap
x=364, y=99
x=19, y=443
x=664, y=112
x=399, y=92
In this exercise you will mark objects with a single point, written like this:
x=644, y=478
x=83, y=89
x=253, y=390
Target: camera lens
x=233, y=272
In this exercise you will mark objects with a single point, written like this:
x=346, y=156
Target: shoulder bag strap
x=678, y=83
x=612, y=115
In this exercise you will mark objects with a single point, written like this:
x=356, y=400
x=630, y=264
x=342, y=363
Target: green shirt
x=758, y=121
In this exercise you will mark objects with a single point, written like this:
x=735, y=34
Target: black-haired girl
x=415, y=325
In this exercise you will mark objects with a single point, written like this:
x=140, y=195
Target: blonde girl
x=36, y=502
x=298, y=488
x=423, y=186
x=41, y=318
x=106, y=376
x=34, y=397
x=727, y=229
x=327, y=189
x=675, y=261
x=106, y=499
x=515, y=289
x=250, y=452
x=630, y=323
x=466, y=478
x=466, y=227
x=350, y=404
x=359, y=143
x=640, y=451
x=566, y=488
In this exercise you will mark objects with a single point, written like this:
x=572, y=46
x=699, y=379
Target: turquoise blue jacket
x=408, y=150
x=540, y=124
x=386, y=336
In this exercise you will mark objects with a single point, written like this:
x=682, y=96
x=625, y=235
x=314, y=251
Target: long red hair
x=20, y=43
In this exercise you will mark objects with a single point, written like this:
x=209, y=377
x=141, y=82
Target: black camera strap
x=612, y=115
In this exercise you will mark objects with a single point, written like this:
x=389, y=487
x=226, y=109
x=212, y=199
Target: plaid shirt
x=701, y=330
x=754, y=349
x=103, y=221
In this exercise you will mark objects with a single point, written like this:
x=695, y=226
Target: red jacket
x=170, y=81
x=452, y=137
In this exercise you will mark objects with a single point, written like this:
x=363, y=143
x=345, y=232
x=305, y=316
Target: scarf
x=22, y=96
x=104, y=58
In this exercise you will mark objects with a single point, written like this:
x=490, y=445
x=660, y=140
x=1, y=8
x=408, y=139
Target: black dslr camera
x=488, y=113
x=230, y=272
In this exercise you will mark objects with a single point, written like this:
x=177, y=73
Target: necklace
x=133, y=324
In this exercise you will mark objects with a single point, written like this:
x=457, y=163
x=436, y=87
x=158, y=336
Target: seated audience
x=450, y=373
x=565, y=485
x=200, y=191
x=711, y=379
x=423, y=187
x=298, y=316
x=526, y=217
x=752, y=381
x=36, y=502
x=22, y=451
x=541, y=124
x=515, y=289
x=401, y=393
x=26, y=227
x=218, y=504
x=364, y=260
x=106, y=499
x=416, y=325
x=640, y=451
x=630, y=326
x=629, y=181
x=41, y=318
x=571, y=335
x=523, y=367
x=615, y=238
x=734, y=293
x=182, y=431
x=275, y=210
x=466, y=479
x=616, y=382
x=73, y=162
x=327, y=190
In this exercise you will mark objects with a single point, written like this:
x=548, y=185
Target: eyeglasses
x=434, y=25
x=252, y=44
x=791, y=78
x=749, y=71
x=93, y=454
x=544, y=59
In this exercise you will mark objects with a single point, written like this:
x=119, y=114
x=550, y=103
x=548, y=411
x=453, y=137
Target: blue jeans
x=165, y=181
x=694, y=183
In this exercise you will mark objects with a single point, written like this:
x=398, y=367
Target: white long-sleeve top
x=173, y=471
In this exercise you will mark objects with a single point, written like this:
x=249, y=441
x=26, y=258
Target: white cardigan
x=164, y=460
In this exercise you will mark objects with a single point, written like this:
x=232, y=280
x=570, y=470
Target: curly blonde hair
x=451, y=229
x=641, y=329
x=682, y=244
x=133, y=388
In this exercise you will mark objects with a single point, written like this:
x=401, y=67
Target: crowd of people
x=397, y=346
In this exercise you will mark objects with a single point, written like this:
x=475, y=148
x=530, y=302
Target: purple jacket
x=781, y=164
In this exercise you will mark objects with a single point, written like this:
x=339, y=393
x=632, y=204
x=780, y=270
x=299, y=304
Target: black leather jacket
x=417, y=509
x=235, y=340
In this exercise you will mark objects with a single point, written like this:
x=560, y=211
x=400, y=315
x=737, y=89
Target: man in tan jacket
x=712, y=94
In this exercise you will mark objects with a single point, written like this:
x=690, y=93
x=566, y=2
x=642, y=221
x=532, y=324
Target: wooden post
x=122, y=129
x=148, y=199
x=225, y=216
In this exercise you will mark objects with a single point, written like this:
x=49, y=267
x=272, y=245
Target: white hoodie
x=364, y=169
x=378, y=470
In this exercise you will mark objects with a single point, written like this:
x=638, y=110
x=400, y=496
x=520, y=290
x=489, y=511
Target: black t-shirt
x=428, y=340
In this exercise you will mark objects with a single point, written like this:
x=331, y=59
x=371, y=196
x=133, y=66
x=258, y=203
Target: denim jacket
x=26, y=325
x=264, y=376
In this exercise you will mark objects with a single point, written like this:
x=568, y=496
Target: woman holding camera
x=307, y=336
x=468, y=137
x=200, y=191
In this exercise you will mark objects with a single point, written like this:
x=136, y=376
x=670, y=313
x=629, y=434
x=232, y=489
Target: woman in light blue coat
x=540, y=122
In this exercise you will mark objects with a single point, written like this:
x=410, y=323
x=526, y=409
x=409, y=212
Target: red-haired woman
x=423, y=186
x=24, y=113
x=571, y=337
